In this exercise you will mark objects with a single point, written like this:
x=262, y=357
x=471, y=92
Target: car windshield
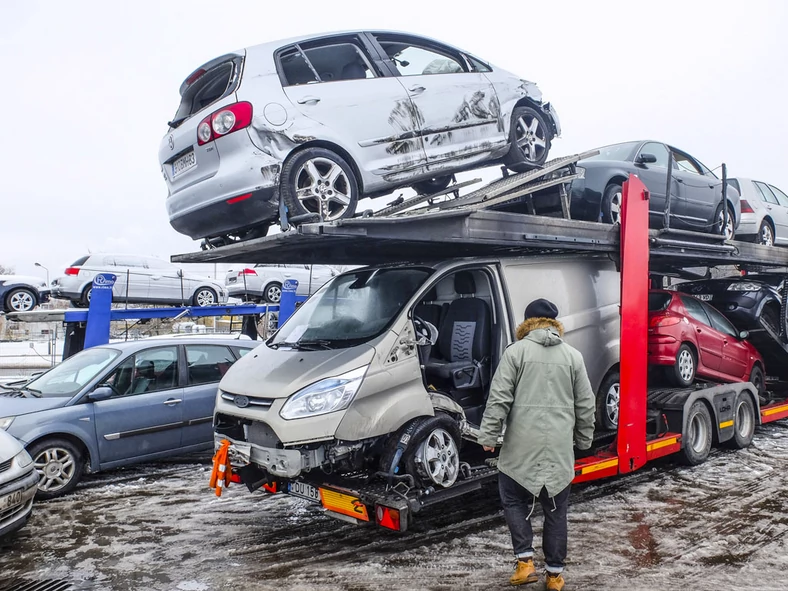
x=351, y=309
x=616, y=152
x=73, y=374
x=658, y=301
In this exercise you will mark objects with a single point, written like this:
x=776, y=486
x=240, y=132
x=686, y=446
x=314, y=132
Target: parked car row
x=263, y=283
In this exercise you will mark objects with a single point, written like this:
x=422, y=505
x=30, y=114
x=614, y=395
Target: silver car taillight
x=204, y=132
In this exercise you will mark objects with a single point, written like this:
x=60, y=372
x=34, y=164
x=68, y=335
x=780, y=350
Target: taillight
x=247, y=272
x=656, y=321
x=388, y=517
x=224, y=121
x=745, y=207
x=72, y=271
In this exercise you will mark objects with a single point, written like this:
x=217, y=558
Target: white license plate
x=704, y=297
x=304, y=490
x=12, y=500
x=183, y=164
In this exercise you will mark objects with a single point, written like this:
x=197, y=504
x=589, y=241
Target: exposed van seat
x=464, y=339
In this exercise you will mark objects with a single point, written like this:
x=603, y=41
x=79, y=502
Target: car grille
x=263, y=403
x=262, y=435
x=5, y=466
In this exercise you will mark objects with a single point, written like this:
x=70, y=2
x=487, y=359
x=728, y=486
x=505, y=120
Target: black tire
x=731, y=223
x=57, y=478
x=517, y=159
x=85, y=299
x=20, y=300
x=743, y=423
x=295, y=176
x=696, y=442
x=270, y=293
x=771, y=316
x=765, y=235
x=607, y=401
x=431, y=186
x=758, y=380
x=424, y=429
x=205, y=296
x=682, y=373
x=611, y=203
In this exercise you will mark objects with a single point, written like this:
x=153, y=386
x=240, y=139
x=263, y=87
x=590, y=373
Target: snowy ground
x=720, y=526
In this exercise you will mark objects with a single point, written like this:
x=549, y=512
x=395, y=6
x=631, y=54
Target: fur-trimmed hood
x=525, y=328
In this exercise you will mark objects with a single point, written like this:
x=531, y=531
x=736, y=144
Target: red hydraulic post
x=634, y=326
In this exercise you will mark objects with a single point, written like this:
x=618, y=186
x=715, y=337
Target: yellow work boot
x=524, y=572
x=555, y=582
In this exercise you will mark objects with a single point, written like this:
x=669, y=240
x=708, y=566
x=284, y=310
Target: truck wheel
x=743, y=423
x=682, y=374
x=319, y=181
x=529, y=140
x=59, y=464
x=607, y=401
x=697, y=439
x=433, y=455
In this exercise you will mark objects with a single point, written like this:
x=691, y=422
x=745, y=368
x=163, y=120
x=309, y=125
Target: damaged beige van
x=384, y=372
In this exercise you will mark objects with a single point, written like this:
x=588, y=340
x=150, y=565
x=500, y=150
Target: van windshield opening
x=351, y=309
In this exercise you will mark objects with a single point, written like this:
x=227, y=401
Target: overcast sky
x=89, y=87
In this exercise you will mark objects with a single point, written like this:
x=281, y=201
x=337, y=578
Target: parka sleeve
x=585, y=405
x=500, y=400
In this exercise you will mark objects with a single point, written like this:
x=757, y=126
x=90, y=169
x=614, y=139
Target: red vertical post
x=634, y=326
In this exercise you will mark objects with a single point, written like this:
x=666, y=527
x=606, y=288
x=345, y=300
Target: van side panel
x=587, y=294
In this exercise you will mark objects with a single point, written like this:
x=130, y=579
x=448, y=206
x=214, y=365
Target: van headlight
x=23, y=459
x=744, y=287
x=325, y=396
x=6, y=422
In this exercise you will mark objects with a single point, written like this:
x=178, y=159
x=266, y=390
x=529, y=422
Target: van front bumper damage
x=284, y=463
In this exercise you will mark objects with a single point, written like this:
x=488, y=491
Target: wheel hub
x=438, y=458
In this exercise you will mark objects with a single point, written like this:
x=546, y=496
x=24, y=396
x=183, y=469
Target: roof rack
x=448, y=225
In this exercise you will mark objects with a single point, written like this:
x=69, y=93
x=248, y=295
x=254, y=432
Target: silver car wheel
x=273, y=294
x=612, y=402
x=56, y=468
x=686, y=366
x=21, y=301
x=698, y=433
x=766, y=236
x=729, y=227
x=615, y=207
x=531, y=137
x=439, y=458
x=205, y=297
x=323, y=187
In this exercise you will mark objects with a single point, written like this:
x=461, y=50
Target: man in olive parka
x=541, y=393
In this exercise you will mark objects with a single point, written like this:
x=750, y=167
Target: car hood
x=278, y=373
x=25, y=279
x=9, y=446
x=13, y=407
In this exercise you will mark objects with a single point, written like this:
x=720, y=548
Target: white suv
x=264, y=282
x=140, y=279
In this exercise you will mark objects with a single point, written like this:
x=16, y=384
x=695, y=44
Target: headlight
x=744, y=287
x=23, y=459
x=6, y=422
x=325, y=396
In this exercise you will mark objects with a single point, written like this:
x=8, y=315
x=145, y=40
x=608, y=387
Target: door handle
x=416, y=89
x=308, y=99
x=156, y=277
x=172, y=401
x=678, y=180
x=699, y=330
x=711, y=186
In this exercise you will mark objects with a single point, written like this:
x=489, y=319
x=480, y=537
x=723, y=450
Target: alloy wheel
x=323, y=187
x=766, y=236
x=729, y=227
x=686, y=366
x=273, y=294
x=21, y=301
x=531, y=137
x=615, y=207
x=205, y=297
x=56, y=467
x=612, y=401
x=439, y=458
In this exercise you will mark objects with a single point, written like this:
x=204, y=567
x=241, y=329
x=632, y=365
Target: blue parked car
x=119, y=404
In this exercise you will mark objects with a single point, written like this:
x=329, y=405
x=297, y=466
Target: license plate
x=12, y=500
x=304, y=490
x=704, y=297
x=183, y=164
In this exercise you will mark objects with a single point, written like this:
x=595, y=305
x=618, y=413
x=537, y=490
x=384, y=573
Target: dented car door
x=457, y=109
x=335, y=82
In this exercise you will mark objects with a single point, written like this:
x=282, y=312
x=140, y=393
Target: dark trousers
x=518, y=505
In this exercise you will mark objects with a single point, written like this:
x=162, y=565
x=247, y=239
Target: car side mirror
x=101, y=393
x=646, y=159
x=744, y=334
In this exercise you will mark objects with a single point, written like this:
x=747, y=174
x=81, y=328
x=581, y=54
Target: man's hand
x=487, y=448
